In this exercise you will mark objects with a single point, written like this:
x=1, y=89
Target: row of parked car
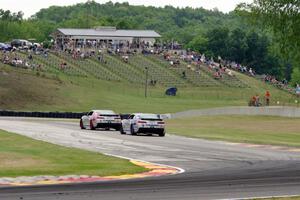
x=4, y=46
x=133, y=124
x=18, y=43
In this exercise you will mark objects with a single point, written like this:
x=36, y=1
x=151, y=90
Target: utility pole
x=146, y=82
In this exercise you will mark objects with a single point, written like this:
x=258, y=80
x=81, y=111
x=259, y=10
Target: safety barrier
x=67, y=115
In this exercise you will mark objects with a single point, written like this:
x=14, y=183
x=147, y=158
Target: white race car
x=101, y=119
x=143, y=123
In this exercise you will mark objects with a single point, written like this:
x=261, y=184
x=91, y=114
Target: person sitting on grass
x=63, y=65
x=252, y=101
x=217, y=75
x=30, y=57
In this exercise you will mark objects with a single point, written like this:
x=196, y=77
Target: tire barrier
x=67, y=115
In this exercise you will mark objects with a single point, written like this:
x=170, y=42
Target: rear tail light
x=141, y=122
x=160, y=122
x=118, y=118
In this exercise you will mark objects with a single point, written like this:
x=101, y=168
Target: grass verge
x=21, y=90
x=245, y=129
x=22, y=156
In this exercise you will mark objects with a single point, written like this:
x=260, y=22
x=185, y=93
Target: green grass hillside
x=86, y=85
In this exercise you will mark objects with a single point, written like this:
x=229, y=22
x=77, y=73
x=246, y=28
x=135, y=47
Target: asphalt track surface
x=213, y=170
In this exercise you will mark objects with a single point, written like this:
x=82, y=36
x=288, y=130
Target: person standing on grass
x=298, y=90
x=257, y=100
x=267, y=98
x=253, y=100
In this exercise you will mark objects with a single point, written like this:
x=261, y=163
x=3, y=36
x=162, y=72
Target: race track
x=214, y=170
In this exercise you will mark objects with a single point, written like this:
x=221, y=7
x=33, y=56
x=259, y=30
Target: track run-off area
x=213, y=169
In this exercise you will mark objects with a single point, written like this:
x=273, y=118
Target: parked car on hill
x=24, y=44
x=5, y=47
x=101, y=119
x=143, y=123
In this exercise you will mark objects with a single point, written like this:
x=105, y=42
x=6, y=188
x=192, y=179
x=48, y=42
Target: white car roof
x=105, y=112
x=149, y=115
x=144, y=114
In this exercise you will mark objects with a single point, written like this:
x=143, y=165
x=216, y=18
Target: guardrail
x=66, y=115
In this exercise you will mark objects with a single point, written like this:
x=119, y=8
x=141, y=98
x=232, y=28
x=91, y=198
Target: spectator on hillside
x=153, y=82
x=39, y=67
x=125, y=59
x=183, y=75
x=17, y=62
x=101, y=58
x=257, y=103
x=82, y=55
x=251, y=72
x=63, y=65
x=284, y=82
x=45, y=54
x=267, y=98
x=219, y=59
x=252, y=101
x=203, y=59
x=217, y=75
x=198, y=69
x=298, y=90
x=229, y=72
x=6, y=59
x=27, y=65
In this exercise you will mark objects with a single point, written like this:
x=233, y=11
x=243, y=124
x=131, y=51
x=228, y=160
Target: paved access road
x=214, y=170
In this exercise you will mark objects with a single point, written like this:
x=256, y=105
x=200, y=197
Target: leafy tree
x=282, y=18
x=250, y=49
x=237, y=45
x=217, y=41
x=295, y=76
x=199, y=44
x=124, y=24
x=6, y=15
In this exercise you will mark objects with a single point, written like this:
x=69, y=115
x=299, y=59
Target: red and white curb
x=154, y=170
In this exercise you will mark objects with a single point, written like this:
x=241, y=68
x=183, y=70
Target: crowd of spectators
x=108, y=44
x=12, y=59
x=196, y=61
x=221, y=68
x=171, y=52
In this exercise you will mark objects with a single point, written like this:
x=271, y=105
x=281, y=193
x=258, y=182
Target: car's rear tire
x=81, y=124
x=92, y=127
x=132, y=130
x=162, y=134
